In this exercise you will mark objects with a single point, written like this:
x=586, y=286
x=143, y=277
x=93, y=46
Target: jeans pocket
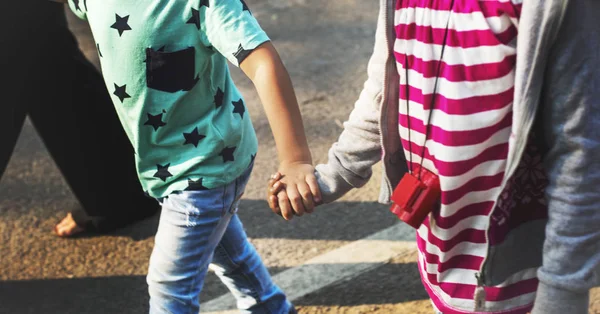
x=171, y=71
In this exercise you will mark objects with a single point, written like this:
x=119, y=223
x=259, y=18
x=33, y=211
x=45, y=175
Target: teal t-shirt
x=165, y=65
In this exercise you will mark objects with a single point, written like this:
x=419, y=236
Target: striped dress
x=467, y=141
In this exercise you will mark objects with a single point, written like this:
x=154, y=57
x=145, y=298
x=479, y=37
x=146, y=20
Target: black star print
x=121, y=92
x=162, y=172
x=76, y=4
x=227, y=154
x=245, y=7
x=205, y=3
x=121, y=24
x=99, y=52
x=155, y=121
x=252, y=157
x=195, y=19
x=241, y=54
x=219, y=98
x=195, y=185
x=193, y=137
x=238, y=107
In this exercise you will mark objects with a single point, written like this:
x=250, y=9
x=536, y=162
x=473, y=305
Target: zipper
x=479, y=294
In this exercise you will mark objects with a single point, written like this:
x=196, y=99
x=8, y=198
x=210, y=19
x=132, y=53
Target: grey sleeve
x=358, y=148
x=571, y=117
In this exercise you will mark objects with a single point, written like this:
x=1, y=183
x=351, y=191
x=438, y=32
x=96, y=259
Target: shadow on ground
x=329, y=222
x=388, y=284
x=119, y=294
x=127, y=294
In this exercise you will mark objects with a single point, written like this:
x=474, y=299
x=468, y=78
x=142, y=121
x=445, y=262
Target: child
x=165, y=63
x=451, y=92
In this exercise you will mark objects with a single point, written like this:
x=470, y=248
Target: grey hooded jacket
x=557, y=89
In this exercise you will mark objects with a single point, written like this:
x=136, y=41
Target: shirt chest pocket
x=171, y=71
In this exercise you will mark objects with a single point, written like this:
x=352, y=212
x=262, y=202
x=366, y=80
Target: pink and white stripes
x=468, y=138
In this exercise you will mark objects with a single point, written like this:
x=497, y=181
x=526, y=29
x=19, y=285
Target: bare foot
x=67, y=227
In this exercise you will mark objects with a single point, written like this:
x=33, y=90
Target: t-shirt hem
x=208, y=182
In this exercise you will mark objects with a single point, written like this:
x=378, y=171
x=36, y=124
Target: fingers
x=307, y=197
x=311, y=180
x=284, y=205
x=277, y=197
x=276, y=177
x=273, y=184
x=276, y=187
x=295, y=199
x=273, y=188
x=274, y=204
x=291, y=199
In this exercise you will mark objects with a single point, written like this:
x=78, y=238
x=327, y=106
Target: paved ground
x=356, y=259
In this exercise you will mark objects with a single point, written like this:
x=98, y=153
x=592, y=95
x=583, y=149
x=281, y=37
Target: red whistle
x=413, y=198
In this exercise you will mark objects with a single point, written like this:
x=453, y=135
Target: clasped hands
x=293, y=190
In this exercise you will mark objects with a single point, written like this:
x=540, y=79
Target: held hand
x=274, y=86
x=301, y=187
x=275, y=193
x=294, y=190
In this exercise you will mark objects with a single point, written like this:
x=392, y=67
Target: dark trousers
x=44, y=75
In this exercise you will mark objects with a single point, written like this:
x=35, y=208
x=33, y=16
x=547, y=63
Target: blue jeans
x=195, y=228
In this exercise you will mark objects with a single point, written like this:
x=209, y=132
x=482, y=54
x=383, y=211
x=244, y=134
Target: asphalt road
x=325, y=46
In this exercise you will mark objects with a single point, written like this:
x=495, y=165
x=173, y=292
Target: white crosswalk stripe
x=342, y=263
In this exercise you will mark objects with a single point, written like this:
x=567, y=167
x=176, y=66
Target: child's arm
x=264, y=67
x=358, y=148
x=229, y=27
x=570, y=120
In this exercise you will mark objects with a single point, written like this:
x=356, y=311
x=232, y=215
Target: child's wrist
x=293, y=162
x=296, y=158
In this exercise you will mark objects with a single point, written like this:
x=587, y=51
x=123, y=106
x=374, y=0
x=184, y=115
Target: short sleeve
x=232, y=30
x=79, y=8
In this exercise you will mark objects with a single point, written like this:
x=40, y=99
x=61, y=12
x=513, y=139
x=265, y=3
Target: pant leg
x=190, y=227
x=76, y=120
x=193, y=226
x=17, y=68
x=10, y=129
x=241, y=269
